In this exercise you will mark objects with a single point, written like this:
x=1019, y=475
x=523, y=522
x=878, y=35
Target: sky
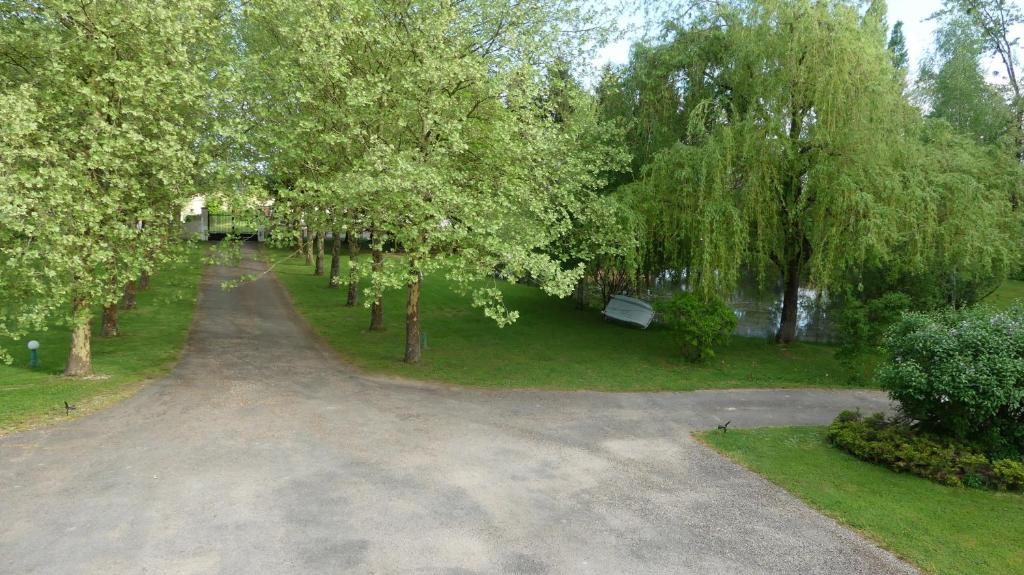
x=914, y=14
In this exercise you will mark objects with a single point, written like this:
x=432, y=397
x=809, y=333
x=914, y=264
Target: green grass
x=1007, y=294
x=552, y=345
x=151, y=338
x=944, y=530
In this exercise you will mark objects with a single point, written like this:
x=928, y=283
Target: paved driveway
x=263, y=453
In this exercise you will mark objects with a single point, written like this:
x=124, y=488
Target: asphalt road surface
x=264, y=453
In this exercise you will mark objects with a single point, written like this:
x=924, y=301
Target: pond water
x=759, y=310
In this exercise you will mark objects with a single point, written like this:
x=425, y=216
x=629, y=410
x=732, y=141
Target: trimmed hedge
x=897, y=445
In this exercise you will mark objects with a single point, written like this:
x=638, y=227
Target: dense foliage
x=960, y=374
x=699, y=323
x=108, y=114
x=815, y=170
x=903, y=448
x=449, y=132
x=772, y=136
x=863, y=323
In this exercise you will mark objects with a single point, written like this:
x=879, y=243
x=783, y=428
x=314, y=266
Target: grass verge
x=1010, y=292
x=553, y=345
x=943, y=530
x=151, y=339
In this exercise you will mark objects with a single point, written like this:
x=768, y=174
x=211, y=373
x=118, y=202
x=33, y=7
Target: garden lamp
x=33, y=354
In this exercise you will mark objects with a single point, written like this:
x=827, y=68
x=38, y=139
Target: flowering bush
x=960, y=374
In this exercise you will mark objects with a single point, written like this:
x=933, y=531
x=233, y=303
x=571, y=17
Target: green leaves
x=961, y=373
x=112, y=103
x=775, y=136
x=431, y=125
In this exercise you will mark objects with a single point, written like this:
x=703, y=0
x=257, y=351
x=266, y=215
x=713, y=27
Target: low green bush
x=699, y=323
x=898, y=445
x=862, y=323
x=960, y=374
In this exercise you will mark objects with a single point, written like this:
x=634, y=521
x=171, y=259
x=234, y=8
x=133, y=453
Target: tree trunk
x=109, y=321
x=413, y=347
x=581, y=293
x=377, y=309
x=144, y=280
x=80, y=354
x=128, y=301
x=318, y=269
x=353, y=286
x=307, y=246
x=790, y=301
x=335, y=279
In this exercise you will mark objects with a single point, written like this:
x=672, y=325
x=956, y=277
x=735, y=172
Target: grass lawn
x=1009, y=292
x=551, y=346
x=943, y=530
x=151, y=338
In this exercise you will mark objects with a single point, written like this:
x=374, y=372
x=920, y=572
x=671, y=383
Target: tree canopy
x=108, y=105
x=460, y=138
x=776, y=138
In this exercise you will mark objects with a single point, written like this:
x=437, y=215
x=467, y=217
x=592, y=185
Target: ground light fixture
x=33, y=354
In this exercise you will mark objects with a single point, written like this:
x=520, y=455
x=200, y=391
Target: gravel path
x=263, y=453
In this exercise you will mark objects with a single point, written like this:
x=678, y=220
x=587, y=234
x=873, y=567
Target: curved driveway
x=263, y=453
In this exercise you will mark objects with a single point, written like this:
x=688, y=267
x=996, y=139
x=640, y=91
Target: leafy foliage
x=815, y=168
x=699, y=323
x=447, y=130
x=993, y=25
x=111, y=132
x=954, y=84
x=791, y=170
x=960, y=374
x=900, y=447
x=862, y=324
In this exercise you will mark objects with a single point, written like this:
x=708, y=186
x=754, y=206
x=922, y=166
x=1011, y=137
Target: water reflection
x=759, y=310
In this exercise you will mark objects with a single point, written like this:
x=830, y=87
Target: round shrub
x=960, y=373
x=699, y=323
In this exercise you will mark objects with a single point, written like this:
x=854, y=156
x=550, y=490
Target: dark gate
x=222, y=225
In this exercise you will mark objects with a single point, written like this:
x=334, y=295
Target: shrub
x=899, y=446
x=862, y=324
x=699, y=324
x=960, y=373
x=1010, y=472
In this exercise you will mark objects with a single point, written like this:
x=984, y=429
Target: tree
x=997, y=23
x=955, y=88
x=114, y=98
x=426, y=122
x=334, y=279
x=312, y=75
x=352, y=241
x=468, y=171
x=898, y=48
x=788, y=165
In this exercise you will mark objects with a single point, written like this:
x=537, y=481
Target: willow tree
x=113, y=98
x=789, y=160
